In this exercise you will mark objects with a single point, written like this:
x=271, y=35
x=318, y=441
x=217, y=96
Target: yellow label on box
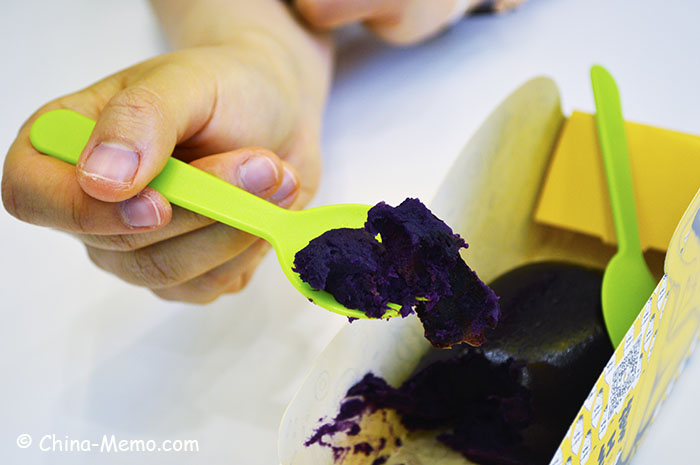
x=627, y=395
x=665, y=170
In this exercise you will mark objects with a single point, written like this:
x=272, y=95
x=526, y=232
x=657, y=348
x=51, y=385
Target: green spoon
x=627, y=281
x=64, y=133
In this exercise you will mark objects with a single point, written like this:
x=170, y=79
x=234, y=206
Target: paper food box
x=501, y=196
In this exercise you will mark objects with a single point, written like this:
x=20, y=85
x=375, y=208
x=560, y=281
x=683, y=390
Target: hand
x=395, y=21
x=239, y=111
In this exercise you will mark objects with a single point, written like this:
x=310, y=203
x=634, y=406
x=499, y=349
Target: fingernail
x=257, y=174
x=288, y=187
x=140, y=211
x=112, y=162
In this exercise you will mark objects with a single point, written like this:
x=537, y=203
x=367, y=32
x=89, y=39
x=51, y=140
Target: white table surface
x=83, y=354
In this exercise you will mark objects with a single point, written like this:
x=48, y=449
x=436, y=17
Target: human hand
x=238, y=110
x=395, y=21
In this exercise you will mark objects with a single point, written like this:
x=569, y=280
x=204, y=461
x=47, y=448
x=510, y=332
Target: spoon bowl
x=307, y=225
x=627, y=283
x=64, y=133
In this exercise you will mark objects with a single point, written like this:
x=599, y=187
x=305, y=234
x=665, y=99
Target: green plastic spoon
x=627, y=281
x=64, y=133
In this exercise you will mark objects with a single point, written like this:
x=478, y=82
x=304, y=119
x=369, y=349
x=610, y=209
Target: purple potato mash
x=483, y=404
x=416, y=265
x=510, y=401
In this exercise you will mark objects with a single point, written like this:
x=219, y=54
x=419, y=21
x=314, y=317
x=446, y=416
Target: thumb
x=138, y=128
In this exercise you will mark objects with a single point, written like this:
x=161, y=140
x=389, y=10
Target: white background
x=83, y=354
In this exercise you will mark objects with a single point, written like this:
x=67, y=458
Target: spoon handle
x=64, y=133
x=613, y=144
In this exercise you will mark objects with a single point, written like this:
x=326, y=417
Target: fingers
x=143, y=114
x=138, y=128
x=396, y=21
x=141, y=106
x=172, y=256
x=175, y=260
x=418, y=20
x=229, y=277
x=44, y=191
x=204, y=100
x=327, y=14
x=253, y=169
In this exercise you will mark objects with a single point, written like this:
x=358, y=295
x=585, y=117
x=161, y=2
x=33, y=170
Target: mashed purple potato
x=416, y=265
x=484, y=405
x=510, y=401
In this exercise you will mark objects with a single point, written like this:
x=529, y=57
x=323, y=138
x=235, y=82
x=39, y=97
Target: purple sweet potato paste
x=511, y=400
x=483, y=405
x=416, y=264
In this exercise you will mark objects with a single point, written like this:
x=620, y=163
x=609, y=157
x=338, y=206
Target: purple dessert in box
x=507, y=402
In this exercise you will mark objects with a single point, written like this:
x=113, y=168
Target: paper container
x=488, y=197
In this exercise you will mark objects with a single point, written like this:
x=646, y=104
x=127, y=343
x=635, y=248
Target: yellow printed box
x=490, y=197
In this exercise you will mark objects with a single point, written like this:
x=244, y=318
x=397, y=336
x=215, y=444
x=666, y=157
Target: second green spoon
x=627, y=282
